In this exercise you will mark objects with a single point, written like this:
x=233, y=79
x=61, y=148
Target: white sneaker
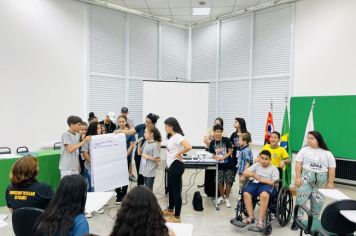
x=204, y=195
x=227, y=202
x=220, y=200
x=88, y=215
x=100, y=211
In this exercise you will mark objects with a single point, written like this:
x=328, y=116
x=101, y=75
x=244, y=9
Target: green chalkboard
x=334, y=117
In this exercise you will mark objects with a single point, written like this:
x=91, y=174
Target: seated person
x=265, y=175
x=140, y=214
x=24, y=190
x=65, y=213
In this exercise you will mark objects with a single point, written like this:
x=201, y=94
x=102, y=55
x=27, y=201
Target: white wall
x=325, y=48
x=43, y=50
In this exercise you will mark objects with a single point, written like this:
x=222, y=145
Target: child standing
x=69, y=162
x=245, y=157
x=221, y=148
x=280, y=156
x=150, y=152
x=130, y=144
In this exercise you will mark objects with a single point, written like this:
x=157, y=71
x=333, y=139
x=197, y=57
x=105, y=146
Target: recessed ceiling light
x=201, y=11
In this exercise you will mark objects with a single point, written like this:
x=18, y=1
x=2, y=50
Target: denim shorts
x=255, y=189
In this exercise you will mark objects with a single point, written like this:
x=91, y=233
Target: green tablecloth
x=48, y=173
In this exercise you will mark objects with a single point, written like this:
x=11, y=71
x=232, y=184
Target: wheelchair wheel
x=284, y=208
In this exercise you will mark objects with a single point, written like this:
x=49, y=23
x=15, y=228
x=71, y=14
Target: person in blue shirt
x=64, y=215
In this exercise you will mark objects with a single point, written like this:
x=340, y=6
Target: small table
x=204, y=163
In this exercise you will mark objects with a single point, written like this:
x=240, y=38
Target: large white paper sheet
x=181, y=229
x=96, y=200
x=333, y=194
x=108, y=162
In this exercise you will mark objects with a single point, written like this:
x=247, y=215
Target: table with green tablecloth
x=48, y=173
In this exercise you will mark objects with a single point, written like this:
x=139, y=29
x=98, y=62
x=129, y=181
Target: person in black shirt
x=24, y=190
x=240, y=126
x=110, y=127
x=221, y=148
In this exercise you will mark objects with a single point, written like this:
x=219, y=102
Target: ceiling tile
x=224, y=3
x=157, y=3
x=221, y=10
x=179, y=3
x=135, y=4
x=181, y=11
x=246, y=3
x=195, y=3
x=182, y=18
x=160, y=11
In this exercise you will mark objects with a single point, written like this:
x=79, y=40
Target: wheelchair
x=281, y=205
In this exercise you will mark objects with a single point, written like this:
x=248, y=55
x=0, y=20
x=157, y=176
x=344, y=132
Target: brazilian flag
x=285, y=142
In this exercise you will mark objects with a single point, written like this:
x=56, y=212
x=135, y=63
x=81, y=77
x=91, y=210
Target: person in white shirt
x=176, y=147
x=315, y=169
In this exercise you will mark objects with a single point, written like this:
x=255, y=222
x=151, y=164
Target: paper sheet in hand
x=108, y=162
x=181, y=229
x=334, y=194
x=97, y=200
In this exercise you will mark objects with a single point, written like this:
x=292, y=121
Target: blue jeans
x=148, y=182
x=87, y=176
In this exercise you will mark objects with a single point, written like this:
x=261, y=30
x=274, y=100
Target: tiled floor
x=207, y=222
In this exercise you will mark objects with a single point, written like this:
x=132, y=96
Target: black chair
x=24, y=219
x=57, y=145
x=5, y=150
x=331, y=221
x=22, y=149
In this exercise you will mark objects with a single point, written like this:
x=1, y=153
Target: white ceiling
x=181, y=10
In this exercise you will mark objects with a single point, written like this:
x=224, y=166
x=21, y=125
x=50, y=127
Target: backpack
x=198, y=201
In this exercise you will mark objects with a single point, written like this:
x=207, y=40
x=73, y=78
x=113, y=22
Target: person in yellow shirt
x=280, y=156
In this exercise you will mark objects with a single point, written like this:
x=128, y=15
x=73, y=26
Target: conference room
x=200, y=117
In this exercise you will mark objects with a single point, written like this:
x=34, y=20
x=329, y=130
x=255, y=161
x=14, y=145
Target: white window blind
x=204, y=53
x=106, y=94
x=233, y=102
x=106, y=41
x=135, y=102
x=272, y=41
x=265, y=91
x=143, y=47
x=173, y=50
x=235, y=47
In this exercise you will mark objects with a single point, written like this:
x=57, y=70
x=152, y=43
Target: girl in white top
x=315, y=168
x=176, y=147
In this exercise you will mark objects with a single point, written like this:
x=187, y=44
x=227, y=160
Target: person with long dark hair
x=314, y=169
x=24, y=190
x=130, y=144
x=93, y=129
x=65, y=212
x=140, y=214
x=150, y=121
x=240, y=126
x=176, y=147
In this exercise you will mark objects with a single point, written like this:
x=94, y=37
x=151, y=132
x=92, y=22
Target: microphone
x=139, y=140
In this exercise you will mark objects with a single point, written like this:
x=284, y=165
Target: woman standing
x=315, y=169
x=176, y=147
